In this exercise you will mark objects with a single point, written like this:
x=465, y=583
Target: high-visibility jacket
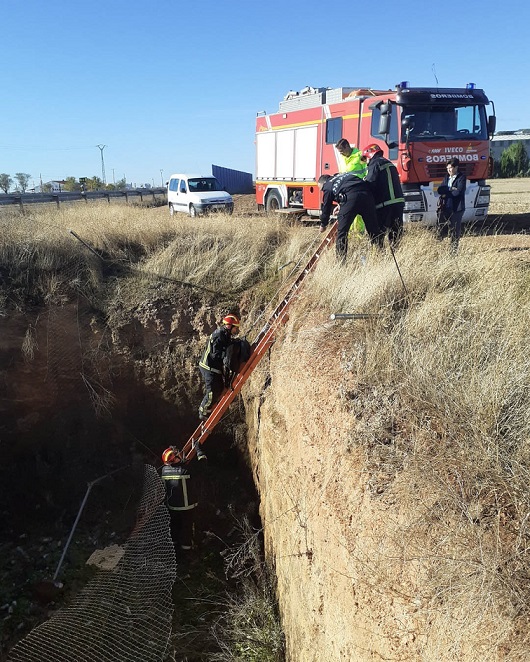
x=215, y=351
x=177, y=488
x=384, y=180
x=353, y=163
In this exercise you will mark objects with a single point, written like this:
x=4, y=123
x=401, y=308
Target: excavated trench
x=80, y=401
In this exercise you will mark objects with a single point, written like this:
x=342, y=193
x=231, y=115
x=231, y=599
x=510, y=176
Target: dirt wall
x=348, y=526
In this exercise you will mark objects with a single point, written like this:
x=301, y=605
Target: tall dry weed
x=442, y=411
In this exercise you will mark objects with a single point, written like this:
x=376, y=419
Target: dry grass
x=44, y=260
x=510, y=196
x=441, y=409
x=442, y=413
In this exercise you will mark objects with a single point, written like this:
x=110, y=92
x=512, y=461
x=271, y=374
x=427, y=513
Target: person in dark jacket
x=214, y=363
x=180, y=503
x=354, y=196
x=451, y=204
x=180, y=500
x=388, y=194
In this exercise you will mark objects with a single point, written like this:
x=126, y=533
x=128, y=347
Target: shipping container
x=233, y=181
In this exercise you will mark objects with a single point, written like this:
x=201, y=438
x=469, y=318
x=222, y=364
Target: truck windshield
x=202, y=184
x=443, y=123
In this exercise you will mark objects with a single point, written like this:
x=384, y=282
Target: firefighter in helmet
x=383, y=177
x=355, y=197
x=179, y=499
x=214, y=363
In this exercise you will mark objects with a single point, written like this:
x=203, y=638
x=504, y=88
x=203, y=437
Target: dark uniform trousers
x=213, y=387
x=180, y=505
x=356, y=202
x=390, y=220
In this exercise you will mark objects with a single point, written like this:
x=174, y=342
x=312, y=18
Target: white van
x=197, y=194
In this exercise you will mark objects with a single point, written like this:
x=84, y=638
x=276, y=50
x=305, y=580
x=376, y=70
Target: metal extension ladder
x=259, y=347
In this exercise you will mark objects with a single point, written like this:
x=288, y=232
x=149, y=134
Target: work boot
x=201, y=455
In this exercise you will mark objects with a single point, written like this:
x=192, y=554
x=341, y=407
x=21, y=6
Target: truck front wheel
x=273, y=202
x=193, y=211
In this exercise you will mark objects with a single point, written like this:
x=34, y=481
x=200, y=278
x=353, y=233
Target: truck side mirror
x=384, y=125
x=407, y=123
x=492, y=123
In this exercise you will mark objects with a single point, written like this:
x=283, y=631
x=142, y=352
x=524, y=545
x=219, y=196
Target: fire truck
x=418, y=128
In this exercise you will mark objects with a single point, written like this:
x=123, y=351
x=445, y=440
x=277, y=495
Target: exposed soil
x=88, y=396
x=83, y=399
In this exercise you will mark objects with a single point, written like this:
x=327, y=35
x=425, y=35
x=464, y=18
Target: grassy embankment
x=448, y=363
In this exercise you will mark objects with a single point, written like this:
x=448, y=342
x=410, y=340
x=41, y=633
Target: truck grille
x=414, y=201
x=439, y=170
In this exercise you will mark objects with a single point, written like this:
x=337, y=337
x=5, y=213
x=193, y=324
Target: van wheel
x=273, y=202
x=193, y=211
x=171, y=210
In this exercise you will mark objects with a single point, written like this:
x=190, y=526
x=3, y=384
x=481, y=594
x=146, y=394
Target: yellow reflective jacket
x=353, y=163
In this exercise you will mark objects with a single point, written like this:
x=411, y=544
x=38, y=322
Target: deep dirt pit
x=78, y=404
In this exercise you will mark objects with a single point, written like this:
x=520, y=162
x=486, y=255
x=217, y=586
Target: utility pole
x=162, y=178
x=113, y=178
x=101, y=148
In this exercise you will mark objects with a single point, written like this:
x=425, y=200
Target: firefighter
x=388, y=194
x=179, y=501
x=354, y=196
x=352, y=159
x=214, y=364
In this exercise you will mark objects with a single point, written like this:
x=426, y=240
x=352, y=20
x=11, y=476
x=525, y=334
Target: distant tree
x=70, y=184
x=496, y=169
x=515, y=161
x=116, y=186
x=94, y=183
x=5, y=182
x=22, y=179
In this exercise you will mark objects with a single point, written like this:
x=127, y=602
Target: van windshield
x=202, y=184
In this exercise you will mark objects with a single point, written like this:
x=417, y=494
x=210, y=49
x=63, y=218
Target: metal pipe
x=398, y=269
x=352, y=316
x=81, y=508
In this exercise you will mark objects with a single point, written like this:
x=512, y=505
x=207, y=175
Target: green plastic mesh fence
x=124, y=613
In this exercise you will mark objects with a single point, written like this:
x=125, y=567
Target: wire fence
x=124, y=613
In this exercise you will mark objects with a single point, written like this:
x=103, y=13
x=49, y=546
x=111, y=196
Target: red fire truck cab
x=419, y=130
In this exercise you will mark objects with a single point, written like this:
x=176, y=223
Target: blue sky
x=175, y=86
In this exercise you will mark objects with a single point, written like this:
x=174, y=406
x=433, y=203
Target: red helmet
x=371, y=150
x=169, y=456
x=231, y=320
